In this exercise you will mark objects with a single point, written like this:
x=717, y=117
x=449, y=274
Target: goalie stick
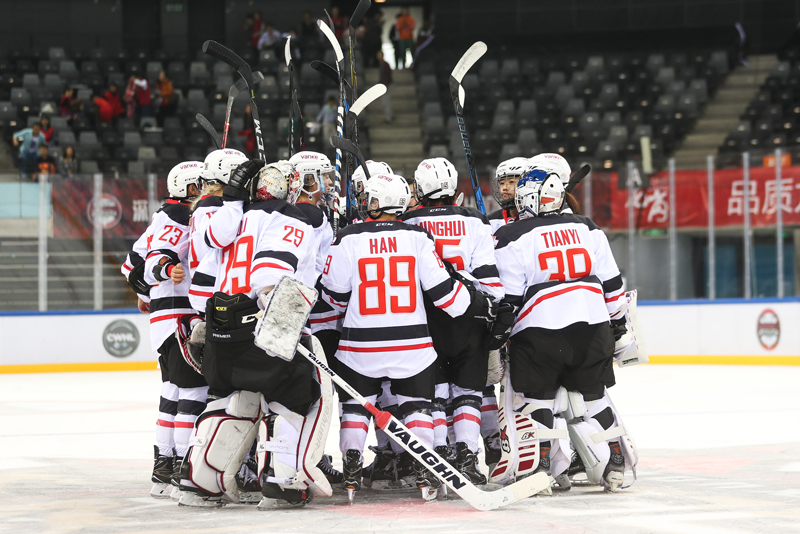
x=579, y=175
x=233, y=92
x=470, y=57
x=481, y=500
x=337, y=182
x=226, y=55
x=208, y=127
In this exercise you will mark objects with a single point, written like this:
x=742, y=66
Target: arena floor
x=719, y=449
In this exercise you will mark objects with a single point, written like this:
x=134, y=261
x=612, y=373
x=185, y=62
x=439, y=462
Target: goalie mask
x=552, y=164
x=315, y=173
x=505, y=180
x=435, y=178
x=182, y=176
x=276, y=180
x=535, y=197
x=387, y=193
x=218, y=165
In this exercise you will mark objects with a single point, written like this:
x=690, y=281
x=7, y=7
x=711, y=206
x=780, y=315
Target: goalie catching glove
x=501, y=329
x=238, y=187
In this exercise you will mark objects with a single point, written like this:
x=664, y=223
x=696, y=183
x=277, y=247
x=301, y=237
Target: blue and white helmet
x=551, y=163
x=535, y=197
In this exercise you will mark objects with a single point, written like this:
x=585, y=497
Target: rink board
x=755, y=332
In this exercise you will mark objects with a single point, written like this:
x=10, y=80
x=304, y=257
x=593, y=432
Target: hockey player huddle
x=423, y=307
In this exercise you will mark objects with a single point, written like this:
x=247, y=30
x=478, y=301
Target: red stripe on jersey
x=386, y=349
x=492, y=284
x=183, y=424
x=201, y=293
x=166, y=317
x=452, y=300
x=355, y=424
x=489, y=408
x=612, y=299
x=326, y=319
x=557, y=293
x=125, y=266
x=272, y=265
x=168, y=424
x=468, y=417
x=421, y=424
x=211, y=235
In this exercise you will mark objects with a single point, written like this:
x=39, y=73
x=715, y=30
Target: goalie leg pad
x=222, y=440
x=536, y=431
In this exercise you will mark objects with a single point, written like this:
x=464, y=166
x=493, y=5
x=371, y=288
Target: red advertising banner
x=651, y=205
x=125, y=209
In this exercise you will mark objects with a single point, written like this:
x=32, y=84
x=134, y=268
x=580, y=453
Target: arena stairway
x=723, y=111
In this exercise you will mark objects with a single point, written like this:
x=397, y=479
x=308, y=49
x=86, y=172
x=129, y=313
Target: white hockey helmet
x=535, y=197
x=312, y=168
x=553, y=164
x=359, y=177
x=510, y=168
x=182, y=176
x=388, y=193
x=277, y=180
x=218, y=165
x=436, y=178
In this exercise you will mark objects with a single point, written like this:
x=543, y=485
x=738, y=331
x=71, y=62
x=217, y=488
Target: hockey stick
x=287, y=54
x=481, y=500
x=233, y=92
x=346, y=145
x=579, y=175
x=355, y=19
x=330, y=20
x=470, y=57
x=337, y=182
x=327, y=71
x=226, y=55
x=207, y=126
x=369, y=96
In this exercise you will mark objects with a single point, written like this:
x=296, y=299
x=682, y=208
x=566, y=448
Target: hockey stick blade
x=346, y=145
x=287, y=51
x=358, y=14
x=579, y=175
x=337, y=49
x=327, y=71
x=460, y=484
x=367, y=98
x=208, y=127
x=470, y=57
x=241, y=85
x=224, y=54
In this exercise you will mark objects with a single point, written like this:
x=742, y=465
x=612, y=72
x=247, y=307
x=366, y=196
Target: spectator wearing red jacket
x=112, y=97
x=47, y=129
x=143, y=99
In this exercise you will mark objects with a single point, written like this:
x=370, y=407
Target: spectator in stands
x=309, y=33
x=68, y=164
x=328, y=117
x=256, y=29
x=47, y=129
x=338, y=22
x=385, y=79
x=112, y=96
x=44, y=163
x=248, y=132
x=372, y=39
x=105, y=111
x=398, y=57
x=144, y=103
x=165, y=98
x=405, y=33
x=130, y=97
x=28, y=140
x=270, y=39
x=70, y=106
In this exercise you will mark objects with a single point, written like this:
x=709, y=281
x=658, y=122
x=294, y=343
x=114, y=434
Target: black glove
x=501, y=329
x=136, y=279
x=163, y=268
x=481, y=307
x=238, y=187
x=619, y=327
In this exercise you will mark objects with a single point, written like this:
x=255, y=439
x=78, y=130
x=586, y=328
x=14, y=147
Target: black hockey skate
x=426, y=482
x=405, y=470
x=351, y=467
x=162, y=475
x=467, y=464
x=613, y=475
x=177, y=464
x=492, y=451
x=381, y=474
x=333, y=475
x=247, y=481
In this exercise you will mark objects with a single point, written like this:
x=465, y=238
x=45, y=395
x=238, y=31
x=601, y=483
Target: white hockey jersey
x=377, y=271
x=167, y=236
x=203, y=260
x=463, y=238
x=323, y=233
x=558, y=270
x=500, y=218
x=271, y=239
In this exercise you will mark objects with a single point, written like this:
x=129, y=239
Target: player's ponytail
x=572, y=203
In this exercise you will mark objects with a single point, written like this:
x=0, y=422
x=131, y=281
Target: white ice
x=719, y=453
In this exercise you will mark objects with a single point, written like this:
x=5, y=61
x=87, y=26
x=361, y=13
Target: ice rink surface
x=719, y=453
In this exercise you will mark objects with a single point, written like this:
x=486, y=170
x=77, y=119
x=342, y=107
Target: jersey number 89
x=372, y=273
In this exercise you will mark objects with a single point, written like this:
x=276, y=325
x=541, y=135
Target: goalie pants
x=578, y=357
x=183, y=398
x=232, y=362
